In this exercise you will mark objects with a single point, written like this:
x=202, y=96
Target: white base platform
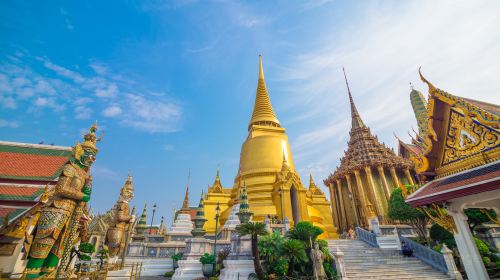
x=188, y=270
x=236, y=269
x=153, y=267
x=122, y=274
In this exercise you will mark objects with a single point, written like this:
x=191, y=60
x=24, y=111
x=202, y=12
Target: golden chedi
x=267, y=169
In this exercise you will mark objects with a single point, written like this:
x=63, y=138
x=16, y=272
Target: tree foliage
x=477, y=217
x=306, y=232
x=401, y=211
x=439, y=233
x=269, y=246
x=294, y=251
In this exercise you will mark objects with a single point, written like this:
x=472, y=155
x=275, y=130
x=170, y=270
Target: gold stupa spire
x=263, y=113
x=356, y=118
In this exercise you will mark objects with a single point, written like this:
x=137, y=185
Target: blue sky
x=172, y=83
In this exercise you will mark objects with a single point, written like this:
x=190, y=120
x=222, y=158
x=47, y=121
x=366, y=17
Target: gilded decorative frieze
x=467, y=137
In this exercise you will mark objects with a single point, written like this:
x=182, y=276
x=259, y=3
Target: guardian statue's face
x=87, y=158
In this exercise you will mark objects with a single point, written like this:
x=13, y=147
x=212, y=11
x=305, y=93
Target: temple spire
x=185, y=203
x=263, y=113
x=356, y=118
x=141, y=226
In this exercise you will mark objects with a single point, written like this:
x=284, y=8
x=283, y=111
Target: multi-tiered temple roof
x=364, y=149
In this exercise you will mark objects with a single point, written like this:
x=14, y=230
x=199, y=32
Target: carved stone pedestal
x=190, y=267
x=239, y=263
x=374, y=225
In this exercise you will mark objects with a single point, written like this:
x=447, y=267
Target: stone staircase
x=365, y=262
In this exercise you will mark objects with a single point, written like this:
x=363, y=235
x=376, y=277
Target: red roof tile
x=22, y=193
x=439, y=190
x=30, y=165
x=12, y=212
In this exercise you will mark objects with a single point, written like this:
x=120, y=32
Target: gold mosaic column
x=365, y=203
x=384, y=182
x=333, y=198
x=394, y=176
x=352, y=200
x=343, y=216
x=409, y=177
x=376, y=195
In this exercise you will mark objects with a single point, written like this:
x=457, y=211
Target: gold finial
x=263, y=113
x=432, y=88
x=261, y=69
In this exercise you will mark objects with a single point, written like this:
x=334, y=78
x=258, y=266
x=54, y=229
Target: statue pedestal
x=122, y=274
x=188, y=270
x=191, y=268
x=239, y=263
x=374, y=225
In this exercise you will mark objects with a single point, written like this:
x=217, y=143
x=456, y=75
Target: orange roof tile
x=30, y=165
x=23, y=193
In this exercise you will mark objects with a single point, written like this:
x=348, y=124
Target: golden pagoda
x=361, y=186
x=268, y=171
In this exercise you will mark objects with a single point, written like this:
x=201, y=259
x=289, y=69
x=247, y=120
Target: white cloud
x=82, y=112
x=69, y=25
x=83, y=100
x=168, y=147
x=64, y=72
x=8, y=124
x=110, y=91
x=101, y=171
x=99, y=68
x=149, y=111
x=152, y=115
x=112, y=111
x=455, y=42
x=8, y=102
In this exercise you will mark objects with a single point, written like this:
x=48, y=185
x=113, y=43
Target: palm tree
x=269, y=249
x=295, y=252
x=305, y=232
x=254, y=230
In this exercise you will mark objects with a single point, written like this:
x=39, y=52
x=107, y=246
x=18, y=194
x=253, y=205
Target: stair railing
x=425, y=254
x=338, y=257
x=368, y=237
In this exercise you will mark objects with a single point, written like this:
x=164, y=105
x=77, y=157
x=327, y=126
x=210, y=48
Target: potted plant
x=175, y=258
x=208, y=261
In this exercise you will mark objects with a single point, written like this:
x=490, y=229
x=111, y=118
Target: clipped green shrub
x=87, y=248
x=177, y=256
x=437, y=248
x=207, y=259
x=169, y=274
x=439, y=233
x=497, y=264
x=482, y=247
x=486, y=261
x=330, y=272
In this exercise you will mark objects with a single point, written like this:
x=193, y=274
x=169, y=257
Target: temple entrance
x=294, y=199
